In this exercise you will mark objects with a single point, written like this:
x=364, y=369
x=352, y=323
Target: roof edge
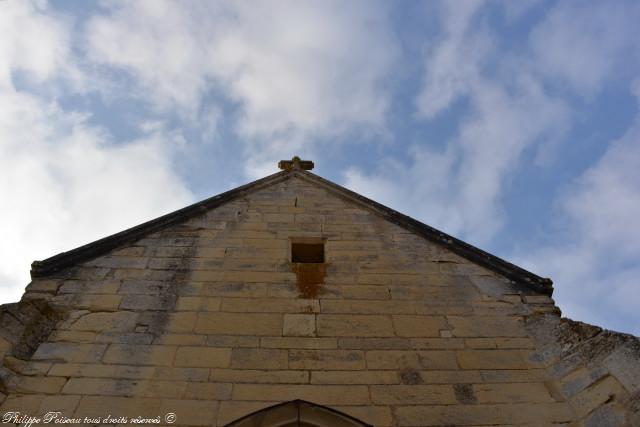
x=96, y=248
x=472, y=253
x=99, y=247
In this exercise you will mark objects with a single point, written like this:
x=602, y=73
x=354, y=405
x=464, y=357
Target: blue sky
x=512, y=125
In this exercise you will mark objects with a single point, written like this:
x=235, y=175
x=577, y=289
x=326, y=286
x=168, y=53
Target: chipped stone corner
x=596, y=371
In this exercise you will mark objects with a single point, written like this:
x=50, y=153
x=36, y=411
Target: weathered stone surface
x=205, y=357
x=299, y=325
x=203, y=318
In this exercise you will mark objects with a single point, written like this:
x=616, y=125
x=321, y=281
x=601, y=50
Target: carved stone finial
x=295, y=164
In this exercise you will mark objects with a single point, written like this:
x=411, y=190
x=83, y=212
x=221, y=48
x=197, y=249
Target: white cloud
x=594, y=262
x=298, y=70
x=31, y=41
x=459, y=188
x=64, y=182
x=585, y=46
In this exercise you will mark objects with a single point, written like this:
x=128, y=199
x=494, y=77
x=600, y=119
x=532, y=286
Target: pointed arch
x=297, y=413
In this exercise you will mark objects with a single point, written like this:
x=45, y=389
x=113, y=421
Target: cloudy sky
x=512, y=125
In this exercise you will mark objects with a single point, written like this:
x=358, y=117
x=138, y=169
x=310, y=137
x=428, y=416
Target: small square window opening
x=307, y=252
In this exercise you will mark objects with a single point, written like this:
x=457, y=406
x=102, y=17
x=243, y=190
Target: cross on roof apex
x=295, y=164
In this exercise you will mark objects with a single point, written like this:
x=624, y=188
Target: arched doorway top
x=297, y=413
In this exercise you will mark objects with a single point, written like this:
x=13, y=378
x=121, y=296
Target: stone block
x=326, y=359
x=375, y=343
x=101, y=406
x=512, y=393
x=334, y=325
x=191, y=412
x=232, y=341
x=270, y=305
x=320, y=394
x=258, y=376
x=181, y=339
x=205, y=357
x=35, y=384
x=379, y=416
x=298, y=342
x=418, y=326
x=208, y=391
x=70, y=352
x=487, y=326
x=596, y=395
x=413, y=394
x=181, y=322
x=239, y=323
x=198, y=304
x=544, y=414
x=63, y=404
x=121, y=321
x=299, y=325
x=354, y=377
x=423, y=360
x=131, y=354
x=258, y=358
x=181, y=374
x=226, y=289
x=491, y=359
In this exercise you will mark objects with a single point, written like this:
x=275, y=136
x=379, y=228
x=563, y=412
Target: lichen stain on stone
x=309, y=278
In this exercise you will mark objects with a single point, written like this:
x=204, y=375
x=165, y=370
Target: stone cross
x=295, y=164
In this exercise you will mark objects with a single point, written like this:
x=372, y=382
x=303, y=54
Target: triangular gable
x=99, y=247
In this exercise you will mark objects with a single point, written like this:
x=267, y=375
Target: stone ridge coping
x=92, y=250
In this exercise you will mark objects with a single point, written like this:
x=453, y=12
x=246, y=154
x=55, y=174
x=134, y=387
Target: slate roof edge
x=470, y=252
x=99, y=247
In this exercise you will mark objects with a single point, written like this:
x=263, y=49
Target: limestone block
x=326, y=359
x=208, y=391
x=181, y=374
x=120, y=321
x=512, y=393
x=596, y=395
x=320, y=394
x=35, y=384
x=413, y=394
x=70, y=352
x=418, y=326
x=181, y=339
x=232, y=341
x=101, y=406
x=270, y=305
x=487, y=326
x=373, y=415
x=298, y=342
x=299, y=325
x=491, y=359
x=330, y=325
x=191, y=412
x=59, y=403
x=205, y=357
x=131, y=354
x=508, y=414
x=239, y=323
x=198, y=304
x=398, y=359
x=354, y=377
x=256, y=376
x=258, y=358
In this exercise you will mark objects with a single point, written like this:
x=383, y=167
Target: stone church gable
x=292, y=289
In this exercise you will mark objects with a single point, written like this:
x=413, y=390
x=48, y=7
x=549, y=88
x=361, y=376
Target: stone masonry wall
x=205, y=320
